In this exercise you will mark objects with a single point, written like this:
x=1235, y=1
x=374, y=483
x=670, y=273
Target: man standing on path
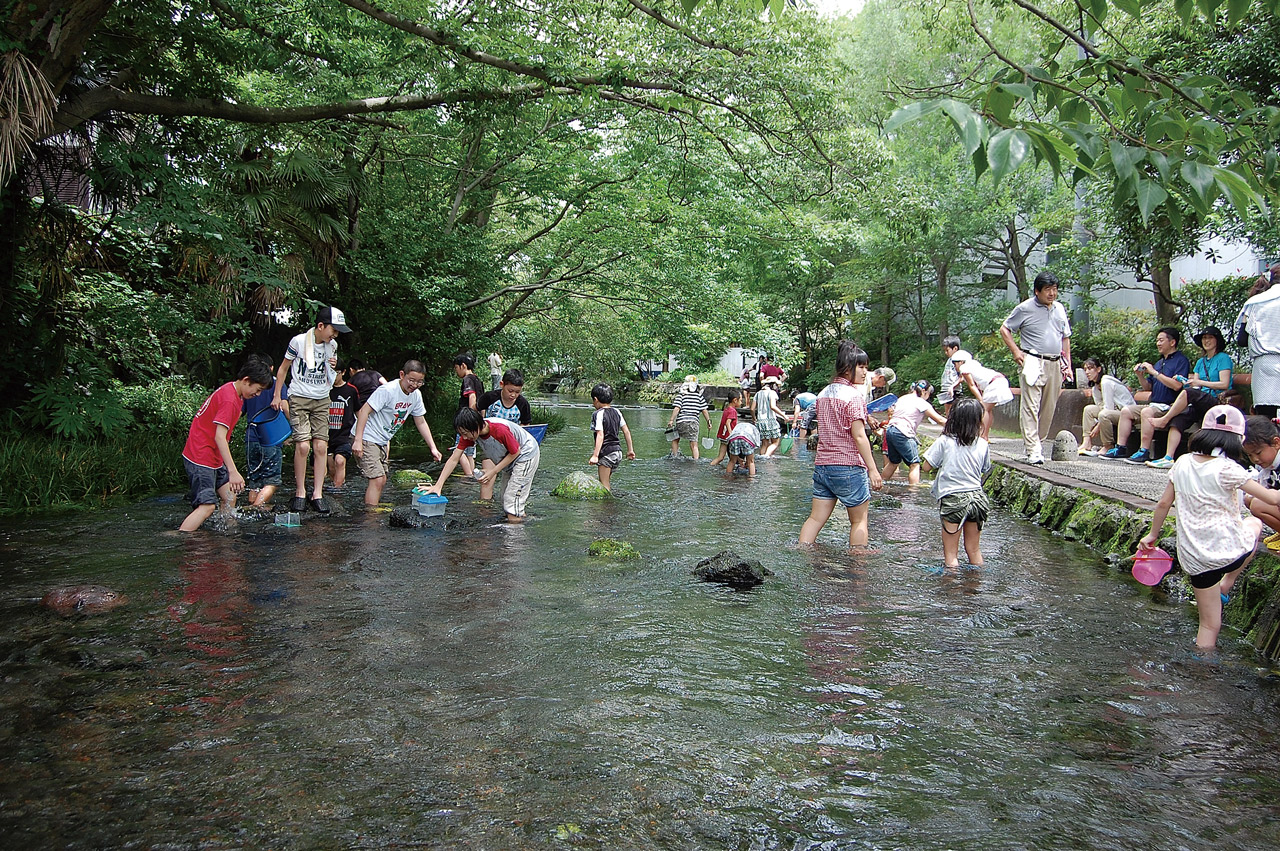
x=1044, y=341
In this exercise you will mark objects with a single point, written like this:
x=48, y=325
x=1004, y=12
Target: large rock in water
x=728, y=568
x=82, y=600
x=409, y=478
x=1065, y=447
x=578, y=485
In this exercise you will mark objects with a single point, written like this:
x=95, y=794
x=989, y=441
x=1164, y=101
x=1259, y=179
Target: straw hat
x=772, y=379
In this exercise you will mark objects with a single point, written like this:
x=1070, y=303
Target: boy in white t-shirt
x=310, y=363
x=379, y=420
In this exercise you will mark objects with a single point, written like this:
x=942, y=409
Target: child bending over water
x=962, y=458
x=1215, y=544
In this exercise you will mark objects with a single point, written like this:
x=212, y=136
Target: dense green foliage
x=585, y=186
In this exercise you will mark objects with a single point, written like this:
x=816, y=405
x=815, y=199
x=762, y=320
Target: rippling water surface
x=349, y=685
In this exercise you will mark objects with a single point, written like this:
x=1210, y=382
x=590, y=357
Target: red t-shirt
x=223, y=407
x=728, y=420
x=770, y=370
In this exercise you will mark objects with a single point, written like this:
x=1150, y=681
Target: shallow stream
x=347, y=685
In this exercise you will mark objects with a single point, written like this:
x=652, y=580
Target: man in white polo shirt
x=1044, y=340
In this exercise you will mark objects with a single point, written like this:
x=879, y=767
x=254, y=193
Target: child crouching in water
x=742, y=445
x=1215, y=544
x=962, y=458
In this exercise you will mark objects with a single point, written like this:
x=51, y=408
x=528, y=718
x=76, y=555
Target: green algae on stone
x=610, y=548
x=578, y=485
x=409, y=478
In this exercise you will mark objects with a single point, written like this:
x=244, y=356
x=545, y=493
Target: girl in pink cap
x=1215, y=543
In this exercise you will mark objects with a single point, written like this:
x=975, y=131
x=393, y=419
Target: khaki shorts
x=373, y=464
x=309, y=418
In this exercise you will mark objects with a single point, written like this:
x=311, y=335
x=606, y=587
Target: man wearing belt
x=1044, y=341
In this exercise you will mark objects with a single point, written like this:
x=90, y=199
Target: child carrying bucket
x=1215, y=543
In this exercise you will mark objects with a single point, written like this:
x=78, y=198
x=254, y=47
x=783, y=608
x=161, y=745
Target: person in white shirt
x=985, y=384
x=1110, y=396
x=961, y=458
x=901, y=444
x=1215, y=543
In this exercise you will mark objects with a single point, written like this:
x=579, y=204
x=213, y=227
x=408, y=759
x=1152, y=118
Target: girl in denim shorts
x=843, y=467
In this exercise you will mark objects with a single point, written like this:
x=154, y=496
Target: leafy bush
x=1118, y=339
x=1215, y=303
x=166, y=405
x=926, y=364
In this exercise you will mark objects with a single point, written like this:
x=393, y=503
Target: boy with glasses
x=380, y=419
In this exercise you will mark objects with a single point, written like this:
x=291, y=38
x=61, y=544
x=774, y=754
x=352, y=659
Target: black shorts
x=1210, y=578
x=341, y=446
x=1198, y=404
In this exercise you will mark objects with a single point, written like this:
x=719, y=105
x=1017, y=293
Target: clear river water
x=348, y=685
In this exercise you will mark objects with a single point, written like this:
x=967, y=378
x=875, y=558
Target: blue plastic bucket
x=272, y=426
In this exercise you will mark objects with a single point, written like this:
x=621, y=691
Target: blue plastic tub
x=538, y=431
x=272, y=426
x=429, y=505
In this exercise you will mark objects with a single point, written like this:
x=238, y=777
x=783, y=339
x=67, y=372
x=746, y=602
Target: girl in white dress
x=984, y=383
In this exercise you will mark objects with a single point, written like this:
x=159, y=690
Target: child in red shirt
x=728, y=420
x=206, y=456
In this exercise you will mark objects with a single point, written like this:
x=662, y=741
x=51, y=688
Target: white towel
x=309, y=350
x=1033, y=371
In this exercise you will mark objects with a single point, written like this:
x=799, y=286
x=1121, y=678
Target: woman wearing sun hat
x=1201, y=391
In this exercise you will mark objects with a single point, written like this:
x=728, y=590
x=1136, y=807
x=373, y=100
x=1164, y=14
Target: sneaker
x=1089, y=451
x=1142, y=456
x=1115, y=453
x=319, y=505
x=1036, y=460
x=1162, y=464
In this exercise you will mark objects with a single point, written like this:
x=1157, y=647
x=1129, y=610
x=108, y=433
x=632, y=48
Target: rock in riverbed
x=578, y=485
x=727, y=568
x=82, y=600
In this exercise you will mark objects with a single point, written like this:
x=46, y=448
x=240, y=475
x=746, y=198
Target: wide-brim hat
x=772, y=379
x=1224, y=418
x=1211, y=331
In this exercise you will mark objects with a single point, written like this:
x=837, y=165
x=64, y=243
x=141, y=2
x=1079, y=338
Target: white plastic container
x=429, y=504
x=289, y=518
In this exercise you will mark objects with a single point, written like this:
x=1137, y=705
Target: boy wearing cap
x=311, y=363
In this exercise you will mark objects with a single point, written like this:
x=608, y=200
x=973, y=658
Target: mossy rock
x=609, y=548
x=578, y=485
x=409, y=478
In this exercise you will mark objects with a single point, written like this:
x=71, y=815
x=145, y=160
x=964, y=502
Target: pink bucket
x=1150, y=566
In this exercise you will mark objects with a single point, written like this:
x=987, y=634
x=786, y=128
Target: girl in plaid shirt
x=843, y=466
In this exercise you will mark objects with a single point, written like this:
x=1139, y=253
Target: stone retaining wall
x=1115, y=530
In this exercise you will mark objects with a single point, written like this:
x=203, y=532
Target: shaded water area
x=346, y=685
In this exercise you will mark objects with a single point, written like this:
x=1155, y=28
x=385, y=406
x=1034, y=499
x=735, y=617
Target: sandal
x=319, y=505
x=298, y=503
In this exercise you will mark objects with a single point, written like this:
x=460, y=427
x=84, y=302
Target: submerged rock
x=610, y=548
x=82, y=600
x=578, y=485
x=728, y=568
x=1065, y=447
x=409, y=478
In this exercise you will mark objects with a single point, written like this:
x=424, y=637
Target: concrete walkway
x=1134, y=485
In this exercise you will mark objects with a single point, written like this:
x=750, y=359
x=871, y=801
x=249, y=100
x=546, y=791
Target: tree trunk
x=1017, y=261
x=941, y=268
x=1162, y=287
